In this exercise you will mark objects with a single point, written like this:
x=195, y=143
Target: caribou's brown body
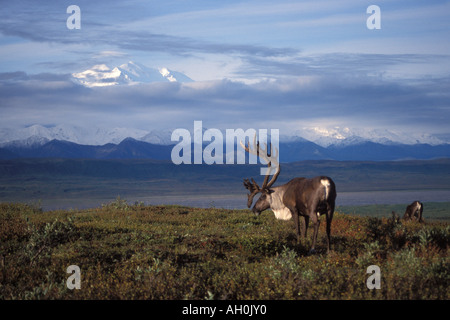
x=414, y=211
x=309, y=198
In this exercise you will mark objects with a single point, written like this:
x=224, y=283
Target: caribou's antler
x=270, y=158
x=253, y=188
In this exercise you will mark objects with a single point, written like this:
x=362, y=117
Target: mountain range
x=321, y=136
x=291, y=151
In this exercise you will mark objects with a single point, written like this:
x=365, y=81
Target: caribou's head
x=263, y=202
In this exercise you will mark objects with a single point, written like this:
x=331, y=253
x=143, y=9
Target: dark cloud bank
x=351, y=101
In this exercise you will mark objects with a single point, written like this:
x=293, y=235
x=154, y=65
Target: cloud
x=287, y=84
x=110, y=53
x=47, y=24
x=285, y=104
x=338, y=64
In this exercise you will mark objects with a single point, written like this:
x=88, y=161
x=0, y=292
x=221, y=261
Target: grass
x=433, y=211
x=133, y=251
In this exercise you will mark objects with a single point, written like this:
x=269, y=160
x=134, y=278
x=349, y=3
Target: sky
x=256, y=64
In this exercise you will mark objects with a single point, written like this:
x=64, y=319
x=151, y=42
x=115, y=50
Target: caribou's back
x=305, y=193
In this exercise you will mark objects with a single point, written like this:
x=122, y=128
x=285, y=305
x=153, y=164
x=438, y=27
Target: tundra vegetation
x=136, y=251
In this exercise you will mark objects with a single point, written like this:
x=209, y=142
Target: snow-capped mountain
x=162, y=137
x=126, y=74
x=324, y=137
x=38, y=135
x=64, y=141
x=345, y=136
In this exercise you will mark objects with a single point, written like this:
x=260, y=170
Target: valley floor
x=81, y=184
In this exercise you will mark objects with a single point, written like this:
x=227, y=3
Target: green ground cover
x=134, y=251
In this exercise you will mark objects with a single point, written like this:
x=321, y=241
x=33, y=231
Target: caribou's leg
x=296, y=218
x=316, y=222
x=420, y=213
x=305, y=226
x=296, y=223
x=330, y=211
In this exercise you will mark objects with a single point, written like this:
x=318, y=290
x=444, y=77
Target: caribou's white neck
x=418, y=206
x=276, y=204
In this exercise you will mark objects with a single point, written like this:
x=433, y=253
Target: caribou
x=308, y=198
x=414, y=211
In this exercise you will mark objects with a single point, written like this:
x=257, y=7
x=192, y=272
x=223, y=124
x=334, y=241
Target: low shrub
x=170, y=252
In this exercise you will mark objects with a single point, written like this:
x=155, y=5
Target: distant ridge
x=127, y=149
x=89, y=135
x=298, y=150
